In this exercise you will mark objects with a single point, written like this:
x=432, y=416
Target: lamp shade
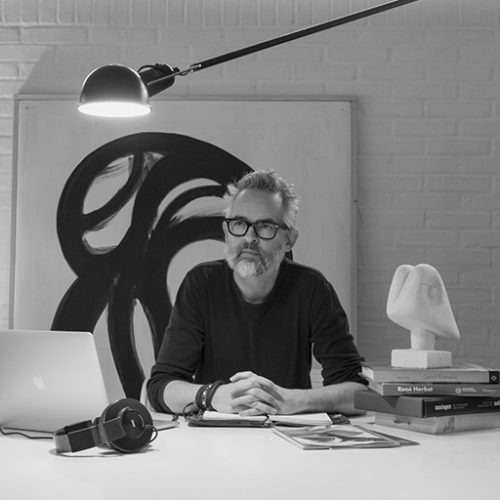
x=114, y=90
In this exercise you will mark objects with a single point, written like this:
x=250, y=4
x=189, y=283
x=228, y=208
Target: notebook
x=49, y=379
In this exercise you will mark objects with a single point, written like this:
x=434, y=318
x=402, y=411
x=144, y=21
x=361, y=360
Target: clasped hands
x=250, y=394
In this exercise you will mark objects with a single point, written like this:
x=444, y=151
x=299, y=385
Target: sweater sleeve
x=333, y=344
x=182, y=345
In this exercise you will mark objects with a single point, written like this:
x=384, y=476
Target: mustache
x=254, y=247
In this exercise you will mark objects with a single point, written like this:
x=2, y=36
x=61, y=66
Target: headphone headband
x=126, y=426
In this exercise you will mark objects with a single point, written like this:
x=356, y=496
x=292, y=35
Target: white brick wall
x=427, y=81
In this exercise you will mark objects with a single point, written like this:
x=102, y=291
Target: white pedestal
x=415, y=358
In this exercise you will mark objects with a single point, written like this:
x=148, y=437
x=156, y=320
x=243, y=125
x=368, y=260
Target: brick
x=469, y=295
x=381, y=183
x=158, y=12
x=457, y=109
x=483, y=276
x=293, y=52
x=391, y=37
x=8, y=70
x=427, y=238
x=140, y=13
x=194, y=13
x=376, y=238
x=105, y=35
x=325, y=72
x=389, y=258
x=460, y=72
x=479, y=91
x=12, y=12
x=425, y=90
x=478, y=128
x=458, y=258
x=438, y=201
x=400, y=145
x=248, y=14
x=390, y=218
x=458, y=183
x=454, y=146
x=488, y=201
x=84, y=12
x=53, y=35
x=230, y=13
x=391, y=108
x=480, y=238
x=391, y=71
x=9, y=35
x=356, y=54
x=281, y=88
x=426, y=165
x=213, y=16
x=47, y=11
x=425, y=127
x=176, y=13
x=249, y=69
x=458, y=219
x=479, y=13
x=66, y=12
x=422, y=54
x=480, y=164
x=459, y=37
x=487, y=54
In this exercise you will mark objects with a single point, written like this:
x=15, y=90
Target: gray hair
x=267, y=180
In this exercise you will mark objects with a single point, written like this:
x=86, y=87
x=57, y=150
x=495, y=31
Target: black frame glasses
x=265, y=230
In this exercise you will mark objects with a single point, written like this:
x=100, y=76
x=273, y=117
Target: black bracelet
x=201, y=397
x=211, y=391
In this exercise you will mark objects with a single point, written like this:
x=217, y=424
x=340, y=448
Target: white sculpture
x=418, y=301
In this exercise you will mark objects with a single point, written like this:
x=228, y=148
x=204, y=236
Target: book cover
x=335, y=437
x=440, y=425
x=466, y=372
x=424, y=406
x=434, y=389
x=219, y=419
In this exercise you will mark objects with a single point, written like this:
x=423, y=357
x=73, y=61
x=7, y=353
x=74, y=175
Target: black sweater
x=213, y=333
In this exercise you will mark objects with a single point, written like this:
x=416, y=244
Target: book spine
x=418, y=406
x=440, y=425
x=459, y=406
x=436, y=389
x=427, y=376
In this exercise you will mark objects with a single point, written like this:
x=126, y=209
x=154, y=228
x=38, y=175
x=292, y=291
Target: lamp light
x=116, y=90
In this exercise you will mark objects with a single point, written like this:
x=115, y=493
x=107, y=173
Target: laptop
x=49, y=379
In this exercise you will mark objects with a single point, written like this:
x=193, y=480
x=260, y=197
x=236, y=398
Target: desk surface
x=253, y=463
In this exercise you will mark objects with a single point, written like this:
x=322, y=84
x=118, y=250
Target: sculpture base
x=413, y=358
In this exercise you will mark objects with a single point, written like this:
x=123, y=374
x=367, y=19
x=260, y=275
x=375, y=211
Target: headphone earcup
x=136, y=422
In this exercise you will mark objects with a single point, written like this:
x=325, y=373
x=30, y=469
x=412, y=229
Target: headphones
x=126, y=426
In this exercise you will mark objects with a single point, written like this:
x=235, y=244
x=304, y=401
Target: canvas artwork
x=110, y=214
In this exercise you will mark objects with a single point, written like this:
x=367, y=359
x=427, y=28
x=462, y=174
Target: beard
x=258, y=264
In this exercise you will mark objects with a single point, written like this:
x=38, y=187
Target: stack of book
x=432, y=400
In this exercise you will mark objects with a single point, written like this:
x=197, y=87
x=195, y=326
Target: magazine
x=324, y=437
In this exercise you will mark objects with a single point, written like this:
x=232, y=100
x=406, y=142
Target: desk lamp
x=119, y=91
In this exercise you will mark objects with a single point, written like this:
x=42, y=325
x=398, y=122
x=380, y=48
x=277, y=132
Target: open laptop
x=49, y=379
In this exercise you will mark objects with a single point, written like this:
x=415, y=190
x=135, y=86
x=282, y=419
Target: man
x=242, y=329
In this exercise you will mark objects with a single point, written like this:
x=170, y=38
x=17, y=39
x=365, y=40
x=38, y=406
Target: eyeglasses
x=263, y=229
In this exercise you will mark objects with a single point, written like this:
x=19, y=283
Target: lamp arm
x=282, y=39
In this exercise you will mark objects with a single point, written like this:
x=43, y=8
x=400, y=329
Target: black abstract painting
x=131, y=273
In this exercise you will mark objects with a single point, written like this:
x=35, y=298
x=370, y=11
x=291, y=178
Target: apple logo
x=39, y=383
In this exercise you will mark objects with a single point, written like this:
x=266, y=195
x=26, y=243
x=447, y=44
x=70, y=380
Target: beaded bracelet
x=205, y=393
x=211, y=391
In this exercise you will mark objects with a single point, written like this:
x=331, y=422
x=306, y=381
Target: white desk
x=226, y=463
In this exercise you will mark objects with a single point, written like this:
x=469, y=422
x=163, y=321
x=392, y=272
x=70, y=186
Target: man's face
x=250, y=255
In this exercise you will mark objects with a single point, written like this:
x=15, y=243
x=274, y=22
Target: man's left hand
x=284, y=401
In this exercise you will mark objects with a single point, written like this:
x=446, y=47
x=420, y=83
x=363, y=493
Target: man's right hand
x=246, y=393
